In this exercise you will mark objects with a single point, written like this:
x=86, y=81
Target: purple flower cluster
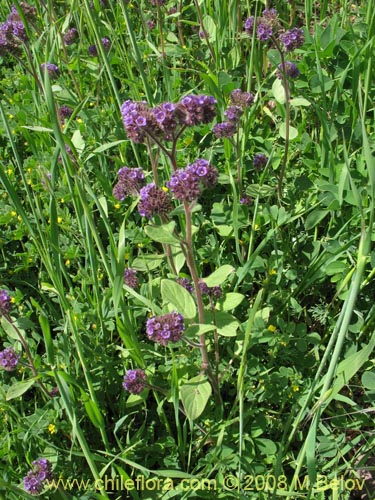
x=154, y=201
x=166, y=328
x=130, y=278
x=163, y=120
x=93, y=49
x=185, y=283
x=291, y=70
x=40, y=473
x=292, y=39
x=185, y=184
x=130, y=181
x=5, y=302
x=239, y=101
x=134, y=381
x=9, y=359
x=52, y=69
x=65, y=112
x=260, y=160
x=70, y=36
x=214, y=292
x=12, y=32
x=266, y=25
x=246, y=200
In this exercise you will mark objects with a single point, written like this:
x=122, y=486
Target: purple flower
x=106, y=44
x=134, y=381
x=249, y=25
x=12, y=35
x=196, y=109
x=130, y=278
x=213, y=291
x=166, y=328
x=54, y=392
x=150, y=24
x=65, y=112
x=92, y=50
x=241, y=99
x=52, y=69
x=185, y=283
x=154, y=201
x=185, y=184
x=28, y=11
x=225, y=129
x=70, y=36
x=138, y=120
x=291, y=70
x=264, y=32
x=5, y=302
x=270, y=16
x=166, y=118
x=292, y=39
x=233, y=114
x=130, y=181
x=260, y=160
x=41, y=472
x=245, y=200
x=9, y=359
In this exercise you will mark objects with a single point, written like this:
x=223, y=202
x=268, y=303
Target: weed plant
x=186, y=276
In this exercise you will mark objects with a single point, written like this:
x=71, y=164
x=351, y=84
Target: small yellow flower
x=295, y=388
x=283, y=343
x=13, y=213
x=10, y=117
x=117, y=206
x=67, y=262
x=59, y=220
x=52, y=428
x=272, y=272
x=10, y=171
x=29, y=170
x=19, y=218
x=272, y=328
x=91, y=104
x=140, y=245
x=29, y=182
x=13, y=300
x=256, y=227
x=93, y=326
x=127, y=255
x=165, y=189
x=79, y=120
x=62, y=200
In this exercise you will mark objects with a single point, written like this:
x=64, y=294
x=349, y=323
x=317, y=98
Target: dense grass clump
x=187, y=198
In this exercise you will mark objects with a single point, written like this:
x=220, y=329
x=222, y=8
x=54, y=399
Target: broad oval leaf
x=230, y=301
x=219, y=276
x=181, y=299
x=163, y=233
x=293, y=132
x=195, y=395
x=278, y=91
x=19, y=388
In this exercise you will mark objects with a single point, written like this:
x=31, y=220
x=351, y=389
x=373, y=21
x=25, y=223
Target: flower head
x=213, y=291
x=260, y=160
x=70, y=36
x=65, y=112
x=40, y=473
x=291, y=70
x=106, y=44
x=185, y=184
x=130, y=181
x=130, y=278
x=241, y=99
x=134, y=381
x=5, y=302
x=225, y=129
x=196, y=109
x=166, y=328
x=12, y=36
x=292, y=39
x=9, y=359
x=52, y=69
x=154, y=201
x=185, y=283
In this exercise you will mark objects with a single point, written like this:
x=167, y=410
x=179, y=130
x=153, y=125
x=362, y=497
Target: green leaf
x=230, y=301
x=300, y=101
x=278, y=91
x=19, y=388
x=195, y=395
x=293, y=132
x=163, y=233
x=314, y=218
x=94, y=413
x=266, y=446
x=177, y=295
x=210, y=27
x=226, y=324
x=219, y=276
x=199, y=329
x=78, y=141
x=147, y=262
x=368, y=380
